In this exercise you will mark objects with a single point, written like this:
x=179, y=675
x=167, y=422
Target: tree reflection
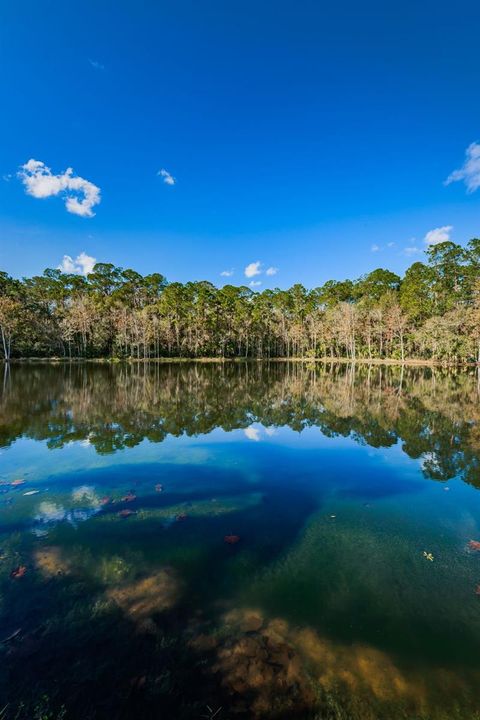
x=434, y=413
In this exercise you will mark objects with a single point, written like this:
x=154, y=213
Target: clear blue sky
x=299, y=134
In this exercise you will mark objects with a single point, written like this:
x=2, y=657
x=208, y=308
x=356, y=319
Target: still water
x=246, y=540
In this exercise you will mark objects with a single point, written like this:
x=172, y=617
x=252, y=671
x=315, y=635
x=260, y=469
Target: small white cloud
x=411, y=250
x=375, y=248
x=67, y=265
x=82, y=265
x=95, y=64
x=253, y=269
x=470, y=170
x=255, y=283
x=438, y=235
x=252, y=433
x=168, y=179
x=270, y=431
x=86, y=263
x=226, y=273
x=80, y=195
x=391, y=244
x=271, y=271
x=7, y=177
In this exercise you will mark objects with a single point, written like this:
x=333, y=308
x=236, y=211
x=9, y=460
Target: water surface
x=246, y=540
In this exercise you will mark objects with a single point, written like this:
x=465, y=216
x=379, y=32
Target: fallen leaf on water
x=477, y=591
x=105, y=500
x=232, y=539
x=17, y=482
x=129, y=497
x=428, y=556
x=474, y=545
x=126, y=513
x=31, y=492
x=18, y=572
x=180, y=517
x=158, y=487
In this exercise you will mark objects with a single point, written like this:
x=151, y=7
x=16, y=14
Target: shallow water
x=347, y=589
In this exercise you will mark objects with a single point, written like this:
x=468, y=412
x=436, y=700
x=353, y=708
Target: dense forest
x=432, y=313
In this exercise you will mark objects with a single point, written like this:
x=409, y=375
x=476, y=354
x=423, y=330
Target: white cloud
x=470, y=170
x=438, y=235
x=270, y=431
x=67, y=265
x=390, y=244
x=168, y=179
x=80, y=195
x=252, y=433
x=82, y=265
x=255, y=283
x=95, y=64
x=253, y=269
x=226, y=273
x=411, y=250
x=375, y=248
x=86, y=263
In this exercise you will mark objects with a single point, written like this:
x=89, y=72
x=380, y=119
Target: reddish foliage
x=477, y=591
x=15, y=483
x=105, y=500
x=18, y=572
x=474, y=545
x=232, y=539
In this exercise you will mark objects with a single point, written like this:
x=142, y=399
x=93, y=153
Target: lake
x=239, y=540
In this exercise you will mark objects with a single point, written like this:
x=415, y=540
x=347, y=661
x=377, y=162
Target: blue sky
x=312, y=137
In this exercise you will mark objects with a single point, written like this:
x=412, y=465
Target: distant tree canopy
x=433, y=312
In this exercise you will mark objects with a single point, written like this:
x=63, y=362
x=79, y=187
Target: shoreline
x=408, y=362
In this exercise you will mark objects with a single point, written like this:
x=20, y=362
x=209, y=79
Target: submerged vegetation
x=432, y=313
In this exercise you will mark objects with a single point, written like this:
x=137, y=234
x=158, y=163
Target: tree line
x=432, y=313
